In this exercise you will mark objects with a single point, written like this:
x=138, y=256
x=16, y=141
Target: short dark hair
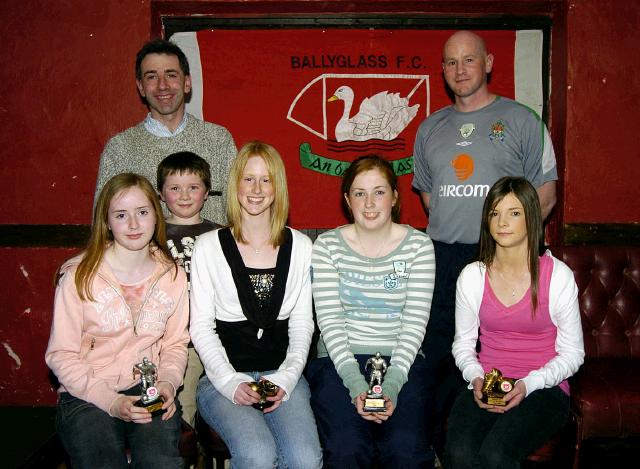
x=161, y=46
x=367, y=163
x=184, y=162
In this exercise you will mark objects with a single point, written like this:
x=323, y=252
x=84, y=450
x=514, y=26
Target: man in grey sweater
x=164, y=82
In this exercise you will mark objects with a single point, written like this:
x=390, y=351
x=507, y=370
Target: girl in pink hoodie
x=120, y=301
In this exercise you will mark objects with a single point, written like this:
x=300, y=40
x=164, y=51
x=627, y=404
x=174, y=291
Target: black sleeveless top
x=260, y=343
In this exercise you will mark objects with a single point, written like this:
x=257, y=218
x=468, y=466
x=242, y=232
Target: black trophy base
x=374, y=403
x=153, y=407
x=262, y=404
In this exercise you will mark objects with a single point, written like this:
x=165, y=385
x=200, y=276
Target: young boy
x=184, y=181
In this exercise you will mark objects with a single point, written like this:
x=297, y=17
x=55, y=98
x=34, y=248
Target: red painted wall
x=26, y=296
x=603, y=94
x=68, y=85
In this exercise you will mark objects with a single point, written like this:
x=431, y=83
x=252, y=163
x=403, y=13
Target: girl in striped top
x=372, y=286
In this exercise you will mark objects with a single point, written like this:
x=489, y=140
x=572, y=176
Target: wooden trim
x=76, y=236
x=557, y=114
x=620, y=234
x=454, y=15
x=52, y=236
x=173, y=24
x=460, y=8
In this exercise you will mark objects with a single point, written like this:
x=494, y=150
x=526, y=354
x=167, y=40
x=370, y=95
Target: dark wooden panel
x=602, y=233
x=58, y=236
x=70, y=236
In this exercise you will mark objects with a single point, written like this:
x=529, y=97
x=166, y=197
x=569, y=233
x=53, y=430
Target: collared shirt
x=158, y=129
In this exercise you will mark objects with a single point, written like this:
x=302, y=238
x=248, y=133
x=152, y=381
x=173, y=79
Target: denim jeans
x=480, y=439
x=94, y=440
x=284, y=438
x=349, y=441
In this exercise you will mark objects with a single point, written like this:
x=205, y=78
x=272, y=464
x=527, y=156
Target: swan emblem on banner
x=383, y=116
x=377, y=125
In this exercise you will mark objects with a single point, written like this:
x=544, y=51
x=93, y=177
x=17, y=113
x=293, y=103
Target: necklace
x=259, y=248
x=513, y=289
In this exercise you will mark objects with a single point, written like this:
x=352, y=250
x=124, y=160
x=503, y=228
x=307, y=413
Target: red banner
x=324, y=97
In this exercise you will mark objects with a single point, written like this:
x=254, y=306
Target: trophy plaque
x=374, y=402
x=150, y=397
x=265, y=389
x=495, y=387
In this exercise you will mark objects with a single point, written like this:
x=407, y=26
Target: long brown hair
x=101, y=236
x=528, y=197
x=279, y=209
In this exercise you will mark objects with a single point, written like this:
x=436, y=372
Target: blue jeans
x=284, y=438
x=484, y=440
x=93, y=439
x=349, y=441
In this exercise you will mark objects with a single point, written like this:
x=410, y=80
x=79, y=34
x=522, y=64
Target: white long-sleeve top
x=563, y=310
x=214, y=295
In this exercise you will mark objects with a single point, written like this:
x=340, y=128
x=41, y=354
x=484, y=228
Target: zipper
x=146, y=298
x=93, y=343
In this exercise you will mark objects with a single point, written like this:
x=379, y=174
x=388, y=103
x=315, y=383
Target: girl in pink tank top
x=517, y=312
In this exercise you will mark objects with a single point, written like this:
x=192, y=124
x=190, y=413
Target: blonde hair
x=280, y=207
x=101, y=236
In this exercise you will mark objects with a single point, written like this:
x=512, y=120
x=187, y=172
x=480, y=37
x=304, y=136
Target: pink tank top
x=512, y=340
x=134, y=295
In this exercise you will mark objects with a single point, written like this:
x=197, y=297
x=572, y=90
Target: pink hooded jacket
x=95, y=344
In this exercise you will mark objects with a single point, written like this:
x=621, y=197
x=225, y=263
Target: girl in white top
x=522, y=309
x=251, y=320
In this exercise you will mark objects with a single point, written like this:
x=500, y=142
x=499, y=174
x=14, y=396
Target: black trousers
x=450, y=260
x=478, y=439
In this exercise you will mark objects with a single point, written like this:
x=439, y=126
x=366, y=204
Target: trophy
x=374, y=402
x=150, y=397
x=495, y=387
x=265, y=389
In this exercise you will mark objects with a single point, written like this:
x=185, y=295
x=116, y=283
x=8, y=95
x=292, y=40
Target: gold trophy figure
x=265, y=389
x=495, y=387
x=374, y=402
x=150, y=397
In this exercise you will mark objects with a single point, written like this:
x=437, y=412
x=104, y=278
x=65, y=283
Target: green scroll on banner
x=331, y=167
